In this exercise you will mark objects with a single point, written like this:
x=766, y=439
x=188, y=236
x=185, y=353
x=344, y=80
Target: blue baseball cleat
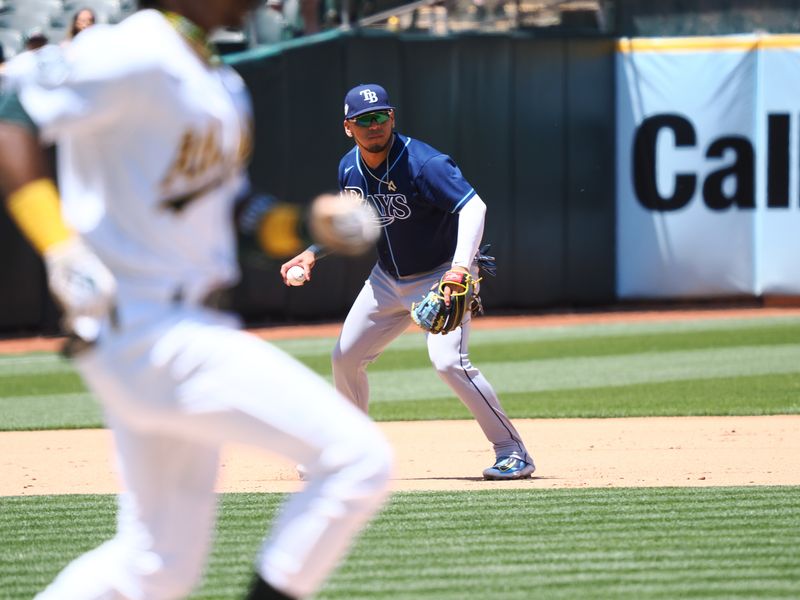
x=509, y=467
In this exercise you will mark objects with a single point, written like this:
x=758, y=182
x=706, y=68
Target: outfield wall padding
x=529, y=120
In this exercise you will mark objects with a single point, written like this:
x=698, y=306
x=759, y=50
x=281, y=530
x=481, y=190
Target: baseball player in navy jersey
x=432, y=221
x=154, y=136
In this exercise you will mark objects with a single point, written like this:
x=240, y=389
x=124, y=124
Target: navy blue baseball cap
x=365, y=98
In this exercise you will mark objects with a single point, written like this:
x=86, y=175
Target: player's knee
x=340, y=357
x=346, y=359
x=364, y=464
x=448, y=366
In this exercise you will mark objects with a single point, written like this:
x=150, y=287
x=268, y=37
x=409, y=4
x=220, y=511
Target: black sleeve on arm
x=12, y=111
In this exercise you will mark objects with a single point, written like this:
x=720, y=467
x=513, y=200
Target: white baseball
x=296, y=275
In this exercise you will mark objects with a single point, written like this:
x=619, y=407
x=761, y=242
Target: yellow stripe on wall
x=695, y=44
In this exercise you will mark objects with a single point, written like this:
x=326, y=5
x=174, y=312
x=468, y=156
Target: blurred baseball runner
x=432, y=223
x=154, y=136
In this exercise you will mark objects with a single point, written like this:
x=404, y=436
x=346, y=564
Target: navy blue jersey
x=417, y=194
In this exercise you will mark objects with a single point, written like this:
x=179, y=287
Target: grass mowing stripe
x=549, y=557
x=715, y=357
x=752, y=395
x=595, y=372
x=26, y=364
x=61, y=411
x=642, y=582
x=702, y=542
x=483, y=353
x=669, y=383
x=416, y=341
x=526, y=342
x=756, y=395
x=33, y=384
x=591, y=569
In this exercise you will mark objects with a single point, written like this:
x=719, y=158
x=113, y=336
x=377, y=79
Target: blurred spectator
x=32, y=40
x=270, y=23
x=294, y=22
x=310, y=10
x=488, y=10
x=347, y=12
x=275, y=6
x=35, y=38
x=81, y=20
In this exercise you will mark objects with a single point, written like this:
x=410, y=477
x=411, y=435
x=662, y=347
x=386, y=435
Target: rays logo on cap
x=369, y=96
x=364, y=98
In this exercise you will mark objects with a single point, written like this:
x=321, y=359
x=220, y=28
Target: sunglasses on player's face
x=366, y=120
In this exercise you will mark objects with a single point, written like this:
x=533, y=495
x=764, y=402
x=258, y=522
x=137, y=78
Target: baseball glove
x=433, y=315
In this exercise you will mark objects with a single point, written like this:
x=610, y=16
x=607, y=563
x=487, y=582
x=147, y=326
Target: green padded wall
x=539, y=179
x=590, y=181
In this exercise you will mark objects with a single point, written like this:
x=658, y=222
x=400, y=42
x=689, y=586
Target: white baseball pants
x=177, y=386
x=380, y=313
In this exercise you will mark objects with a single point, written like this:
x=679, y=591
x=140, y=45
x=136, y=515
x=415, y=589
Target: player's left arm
x=471, y=220
x=442, y=182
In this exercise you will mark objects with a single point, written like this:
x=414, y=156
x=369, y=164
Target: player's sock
x=261, y=590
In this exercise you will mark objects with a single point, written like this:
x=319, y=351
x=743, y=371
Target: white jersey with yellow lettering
x=186, y=134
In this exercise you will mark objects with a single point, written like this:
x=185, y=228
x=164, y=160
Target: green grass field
x=503, y=544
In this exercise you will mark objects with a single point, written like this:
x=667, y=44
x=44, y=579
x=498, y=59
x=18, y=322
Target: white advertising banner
x=778, y=228
x=707, y=167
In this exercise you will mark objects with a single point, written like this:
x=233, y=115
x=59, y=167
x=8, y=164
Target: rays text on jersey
x=389, y=207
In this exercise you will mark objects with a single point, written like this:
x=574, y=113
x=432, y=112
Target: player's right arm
x=79, y=281
x=308, y=257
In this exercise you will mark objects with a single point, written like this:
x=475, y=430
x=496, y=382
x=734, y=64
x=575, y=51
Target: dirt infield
x=571, y=453
x=638, y=452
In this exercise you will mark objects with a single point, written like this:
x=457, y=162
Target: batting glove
x=82, y=285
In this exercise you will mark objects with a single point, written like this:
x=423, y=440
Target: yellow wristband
x=277, y=232
x=37, y=211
